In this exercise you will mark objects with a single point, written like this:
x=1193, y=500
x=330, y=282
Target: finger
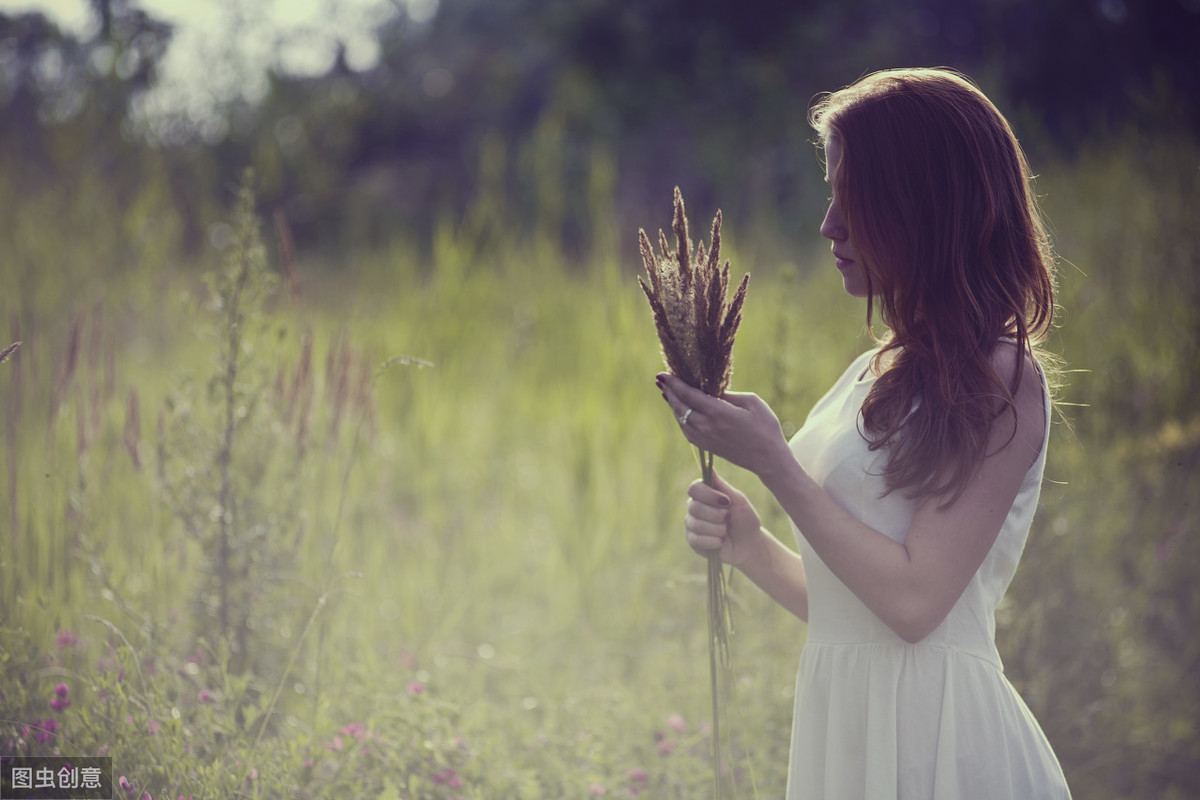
x=708, y=513
x=703, y=527
x=689, y=395
x=678, y=406
x=704, y=544
x=745, y=400
x=710, y=495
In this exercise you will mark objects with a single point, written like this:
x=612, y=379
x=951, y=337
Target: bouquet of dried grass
x=696, y=325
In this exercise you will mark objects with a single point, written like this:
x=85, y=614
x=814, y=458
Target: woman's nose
x=832, y=227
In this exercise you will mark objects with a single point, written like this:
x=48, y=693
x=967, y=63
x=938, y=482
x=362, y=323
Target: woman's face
x=854, y=276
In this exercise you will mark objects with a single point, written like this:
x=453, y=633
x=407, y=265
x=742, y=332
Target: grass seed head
x=687, y=292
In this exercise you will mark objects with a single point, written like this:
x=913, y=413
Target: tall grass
x=523, y=618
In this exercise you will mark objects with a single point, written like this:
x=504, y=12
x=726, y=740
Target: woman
x=912, y=484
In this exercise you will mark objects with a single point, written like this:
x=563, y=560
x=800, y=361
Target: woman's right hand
x=721, y=518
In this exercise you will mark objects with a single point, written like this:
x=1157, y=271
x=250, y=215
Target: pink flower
x=354, y=730
x=416, y=687
x=125, y=785
x=596, y=790
x=65, y=638
x=666, y=747
x=636, y=775
x=44, y=732
x=62, y=698
x=205, y=696
x=676, y=722
x=146, y=796
x=153, y=727
x=308, y=763
x=336, y=744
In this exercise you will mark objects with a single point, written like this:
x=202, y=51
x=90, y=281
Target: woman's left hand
x=737, y=426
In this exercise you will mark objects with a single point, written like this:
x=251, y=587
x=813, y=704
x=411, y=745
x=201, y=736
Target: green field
x=463, y=574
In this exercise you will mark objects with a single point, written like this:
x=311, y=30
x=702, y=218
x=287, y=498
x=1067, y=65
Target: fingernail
x=723, y=500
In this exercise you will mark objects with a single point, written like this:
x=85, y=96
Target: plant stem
x=718, y=631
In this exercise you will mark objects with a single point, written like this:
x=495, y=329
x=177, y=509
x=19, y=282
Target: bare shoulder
x=1019, y=370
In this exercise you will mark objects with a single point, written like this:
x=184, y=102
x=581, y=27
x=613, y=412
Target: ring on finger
x=683, y=418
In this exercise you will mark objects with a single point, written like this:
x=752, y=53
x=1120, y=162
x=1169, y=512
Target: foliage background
x=466, y=578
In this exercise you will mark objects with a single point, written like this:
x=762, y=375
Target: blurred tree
x=698, y=93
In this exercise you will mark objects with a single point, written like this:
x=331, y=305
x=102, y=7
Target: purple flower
x=61, y=700
x=65, y=638
x=43, y=730
x=354, y=730
x=205, y=696
x=125, y=785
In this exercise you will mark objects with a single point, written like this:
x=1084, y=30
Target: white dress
x=877, y=718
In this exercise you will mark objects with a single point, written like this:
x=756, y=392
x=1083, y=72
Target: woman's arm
x=912, y=586
x=721, y=518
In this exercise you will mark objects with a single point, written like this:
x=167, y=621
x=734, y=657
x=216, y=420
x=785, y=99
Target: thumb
x=747, y=401
x=724, y=487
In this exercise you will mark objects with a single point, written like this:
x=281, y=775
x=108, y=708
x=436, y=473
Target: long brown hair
x=936, y=196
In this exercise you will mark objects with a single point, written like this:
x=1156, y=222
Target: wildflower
x=676, y=722
x=205, y=696
x=65, y=638
x=597, y=790
x=308, y=763
x=125, y=785
x=416, y=687
x=153, y=727
x=46, y=730
x=336, y=744
x=636, y=775
x=666, y=747
x=354, y=730
x=61, y=700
